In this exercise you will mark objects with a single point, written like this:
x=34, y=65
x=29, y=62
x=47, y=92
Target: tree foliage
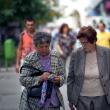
x=12, y=10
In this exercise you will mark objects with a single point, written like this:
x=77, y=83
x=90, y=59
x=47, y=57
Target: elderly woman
x=89, y=74
x=42, y=74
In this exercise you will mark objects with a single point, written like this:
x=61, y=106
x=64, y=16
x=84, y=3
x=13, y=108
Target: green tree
x=12, y=10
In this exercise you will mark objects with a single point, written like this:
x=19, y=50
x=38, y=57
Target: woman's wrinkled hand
x=45, y=76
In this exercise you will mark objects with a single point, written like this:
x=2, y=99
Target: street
x=10, y=90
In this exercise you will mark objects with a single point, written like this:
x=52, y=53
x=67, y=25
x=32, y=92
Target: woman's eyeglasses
x=84, y=42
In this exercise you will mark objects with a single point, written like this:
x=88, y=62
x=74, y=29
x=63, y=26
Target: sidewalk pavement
x=10, y=90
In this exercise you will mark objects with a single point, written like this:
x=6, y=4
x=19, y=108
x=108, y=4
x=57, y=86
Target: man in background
x=26, y=43
x=103, y=37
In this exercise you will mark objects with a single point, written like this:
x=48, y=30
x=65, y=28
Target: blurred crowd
x=63, y=37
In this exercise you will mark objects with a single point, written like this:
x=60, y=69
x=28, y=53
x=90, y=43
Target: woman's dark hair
x=41, y=37
x=89, y=33
x=62, y=27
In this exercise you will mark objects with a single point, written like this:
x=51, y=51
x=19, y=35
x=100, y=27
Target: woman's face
x=88, y=47
x=65, y=30
x=43, y=49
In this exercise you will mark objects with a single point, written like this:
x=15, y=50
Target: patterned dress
x=57, y=68
x=66, y=44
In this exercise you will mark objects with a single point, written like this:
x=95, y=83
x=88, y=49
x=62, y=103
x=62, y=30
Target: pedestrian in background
x=26, y=43
x=88, y=83
x=66, y=41
x=103, y=37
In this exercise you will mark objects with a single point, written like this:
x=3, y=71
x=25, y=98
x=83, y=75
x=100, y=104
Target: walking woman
x=42, y=73
x=66, y=41
x=89, y=74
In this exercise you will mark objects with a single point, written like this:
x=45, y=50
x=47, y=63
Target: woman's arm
x=58, y=78
x=70, y=79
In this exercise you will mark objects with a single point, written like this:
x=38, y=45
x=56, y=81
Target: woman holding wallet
x=48, y=82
